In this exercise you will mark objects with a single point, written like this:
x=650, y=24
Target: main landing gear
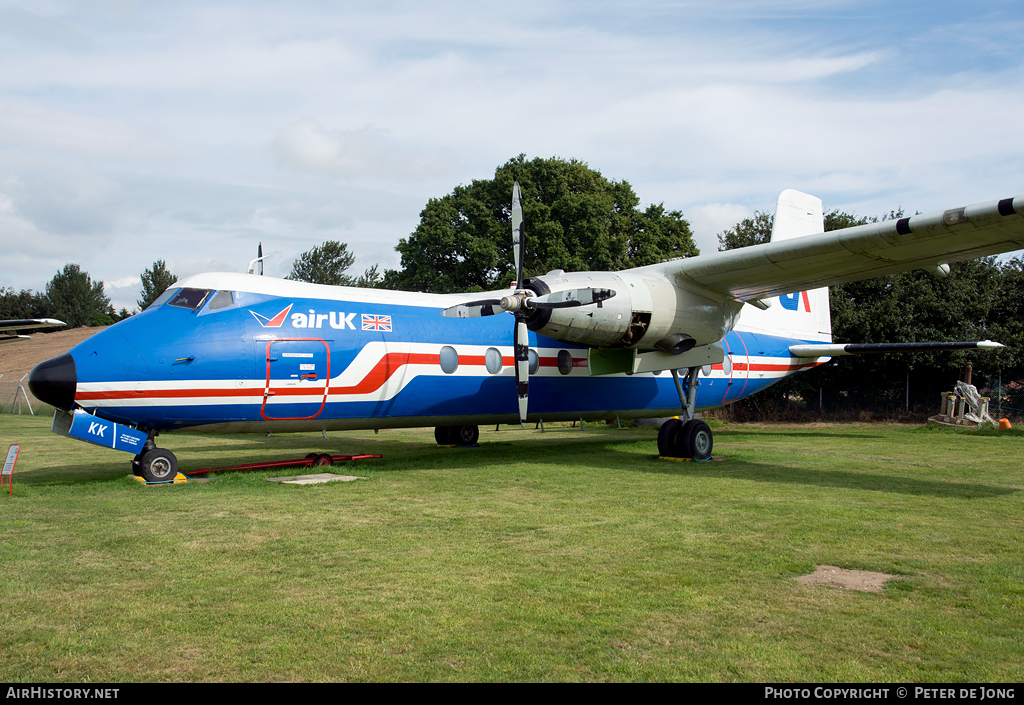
x=155, y=464
x=686, y=437
x=456, y=435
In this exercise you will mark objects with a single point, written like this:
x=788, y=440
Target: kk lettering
x=97, y=429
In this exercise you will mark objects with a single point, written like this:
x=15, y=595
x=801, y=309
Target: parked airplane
x=228, y=353
x=25, y=324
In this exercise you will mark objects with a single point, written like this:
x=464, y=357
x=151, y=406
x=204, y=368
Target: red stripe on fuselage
x=385, y=368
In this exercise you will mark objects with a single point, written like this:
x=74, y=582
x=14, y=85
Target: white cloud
x=709, y=219
x=306, y=145
x=123, y=283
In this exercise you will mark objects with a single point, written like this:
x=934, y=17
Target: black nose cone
x=54, y=381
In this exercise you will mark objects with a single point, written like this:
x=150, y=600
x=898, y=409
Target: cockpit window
x=162, y=299
x=222, y=299
x=191, y=299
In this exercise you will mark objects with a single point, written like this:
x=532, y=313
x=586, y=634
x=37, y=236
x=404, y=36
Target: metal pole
x=25, y=394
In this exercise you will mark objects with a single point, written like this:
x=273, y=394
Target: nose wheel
x=155, y=465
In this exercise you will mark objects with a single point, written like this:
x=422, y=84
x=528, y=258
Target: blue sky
x=191, y=131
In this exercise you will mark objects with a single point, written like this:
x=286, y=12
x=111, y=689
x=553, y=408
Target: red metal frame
x=297, y=462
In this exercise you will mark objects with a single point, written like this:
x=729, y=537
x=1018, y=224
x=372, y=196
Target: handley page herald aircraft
x=238, y=353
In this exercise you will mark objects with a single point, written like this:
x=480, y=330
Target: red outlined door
x=298, y=378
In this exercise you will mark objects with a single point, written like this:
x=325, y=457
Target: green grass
x=565, y=556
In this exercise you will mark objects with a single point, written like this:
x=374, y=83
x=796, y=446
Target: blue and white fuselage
x=241, y=353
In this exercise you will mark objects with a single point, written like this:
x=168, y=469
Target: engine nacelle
x=646, y=311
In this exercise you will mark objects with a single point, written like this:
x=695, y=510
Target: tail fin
x=802, y=314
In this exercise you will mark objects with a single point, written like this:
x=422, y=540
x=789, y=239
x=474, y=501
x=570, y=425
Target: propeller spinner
x=521, y=302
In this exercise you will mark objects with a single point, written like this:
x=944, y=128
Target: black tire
x=666, y=438
x=323, y=460
x=441, y=435
x=158, y=465
x=463, y=435
x=698, y=440
x=310, y=456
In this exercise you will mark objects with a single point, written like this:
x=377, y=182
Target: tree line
x=73, y=297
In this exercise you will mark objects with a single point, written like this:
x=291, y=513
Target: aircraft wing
x=27, y=323
x=863, y=252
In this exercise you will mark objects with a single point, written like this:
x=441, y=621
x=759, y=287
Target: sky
x=132, y=131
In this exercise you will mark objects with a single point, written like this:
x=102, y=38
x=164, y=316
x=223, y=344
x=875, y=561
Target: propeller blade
x=571, y=297
x=518, y=233
x=522, y=352
x=474, y=309
x=259, y=255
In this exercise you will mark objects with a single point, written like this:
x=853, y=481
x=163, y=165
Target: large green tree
x=155, y=281
x=75, y=299
x=325, y=264
x=575, y=219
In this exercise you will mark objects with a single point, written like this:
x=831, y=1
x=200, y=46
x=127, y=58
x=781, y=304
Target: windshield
x=163, y=297
x=190, y=298
x=222, y=299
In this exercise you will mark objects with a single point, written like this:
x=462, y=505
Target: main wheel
x=441, y=435
x=158, y=465
x=697, y=440
x=667, y=446
x=463, y=435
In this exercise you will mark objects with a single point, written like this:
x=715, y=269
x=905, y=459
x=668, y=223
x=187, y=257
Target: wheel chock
x=178, y=479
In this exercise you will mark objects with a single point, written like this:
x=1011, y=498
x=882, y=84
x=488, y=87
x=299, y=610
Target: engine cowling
x=646, y=311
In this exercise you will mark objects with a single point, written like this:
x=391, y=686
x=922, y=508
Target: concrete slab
x=314, y=479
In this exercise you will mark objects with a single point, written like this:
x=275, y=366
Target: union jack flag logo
x=374, y=322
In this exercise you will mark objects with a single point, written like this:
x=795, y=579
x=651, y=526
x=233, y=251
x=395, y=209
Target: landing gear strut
x=686, y=437
x=456, y=435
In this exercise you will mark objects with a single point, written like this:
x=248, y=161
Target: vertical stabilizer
x=802, y=314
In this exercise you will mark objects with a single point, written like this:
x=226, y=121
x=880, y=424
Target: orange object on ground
x=1004, y=425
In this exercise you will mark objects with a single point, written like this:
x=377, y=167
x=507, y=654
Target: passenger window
x=191, y=299
x=222, y=299
x=449, y=360
x=564, y=362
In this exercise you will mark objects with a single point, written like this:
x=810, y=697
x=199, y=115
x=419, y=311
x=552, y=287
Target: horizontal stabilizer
x=834, y=350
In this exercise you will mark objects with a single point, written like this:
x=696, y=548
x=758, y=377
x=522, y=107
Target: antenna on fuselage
x=258, y=262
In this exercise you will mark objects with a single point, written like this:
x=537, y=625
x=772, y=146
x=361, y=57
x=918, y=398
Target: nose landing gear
x=155, y=464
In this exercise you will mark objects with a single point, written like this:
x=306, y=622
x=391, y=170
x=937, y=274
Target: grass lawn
x=565, y=556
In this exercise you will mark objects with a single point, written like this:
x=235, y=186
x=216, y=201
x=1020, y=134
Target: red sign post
x=8, y=471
